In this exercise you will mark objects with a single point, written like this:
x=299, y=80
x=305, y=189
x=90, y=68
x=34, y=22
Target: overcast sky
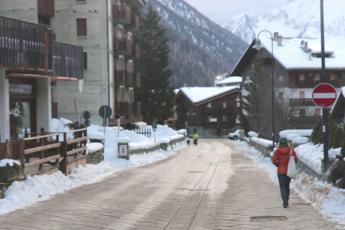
x=222, y=10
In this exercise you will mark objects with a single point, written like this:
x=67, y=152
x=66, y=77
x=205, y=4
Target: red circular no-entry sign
x=324, y=95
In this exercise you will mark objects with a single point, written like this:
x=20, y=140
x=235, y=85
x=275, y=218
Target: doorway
x=22, y=107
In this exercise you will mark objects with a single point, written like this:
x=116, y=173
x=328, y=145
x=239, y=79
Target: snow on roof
x=230, y=80
x=292, y=56
x=198, y=94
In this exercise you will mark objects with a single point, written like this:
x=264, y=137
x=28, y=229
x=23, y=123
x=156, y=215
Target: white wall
x=4, y=107
x=25, y=10
x=44, y=106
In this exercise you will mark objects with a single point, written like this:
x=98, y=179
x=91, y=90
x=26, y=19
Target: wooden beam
x=42, y=148
x=41, y=161
x=77, y=140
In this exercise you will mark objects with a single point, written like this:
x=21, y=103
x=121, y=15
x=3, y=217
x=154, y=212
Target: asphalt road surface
x=209, y=186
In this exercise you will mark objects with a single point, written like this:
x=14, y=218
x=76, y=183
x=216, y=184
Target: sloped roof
x=199, y=94
x=292, y=56
x=230, y=80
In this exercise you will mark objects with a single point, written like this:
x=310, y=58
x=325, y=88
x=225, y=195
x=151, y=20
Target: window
x=301, y=94
x=130, y=66
x=120, y=63
x=225, y=118
x=280, y=78
x=81, y=27
x=301, y=77
x=317, y=112
x=316, y=77
x=209, y=105
x=333, y=77
x=280, y=96
x=131, y=95
x=225, y=105
x=85, y=60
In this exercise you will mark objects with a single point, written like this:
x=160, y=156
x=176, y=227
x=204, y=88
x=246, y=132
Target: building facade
x=30, y=61
x=212, y=111
x=106, y=31
x=297, y=66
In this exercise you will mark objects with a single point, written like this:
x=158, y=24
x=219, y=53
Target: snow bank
x=60, y=125
x=300, y=132
x=94, y=147
x=262, y=142
x=327, y=199
x=8, y=162
x=312, y=155
x=252, y=134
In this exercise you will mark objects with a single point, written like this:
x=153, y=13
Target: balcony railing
x=68, y=60
x=121, y=14
x=124, y=46
x=25, y=45
x=136, y=51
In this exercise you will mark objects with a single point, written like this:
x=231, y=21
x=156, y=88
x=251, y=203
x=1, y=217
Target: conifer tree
x=155, y=93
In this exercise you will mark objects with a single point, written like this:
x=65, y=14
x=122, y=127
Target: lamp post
x=258, y=46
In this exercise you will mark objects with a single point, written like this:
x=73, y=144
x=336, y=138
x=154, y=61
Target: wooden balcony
x=120, y=76
x=121, y=14
x=68, y=61
x=134, y=22
x=25, y=45
x=136, y=51
x=124, y=46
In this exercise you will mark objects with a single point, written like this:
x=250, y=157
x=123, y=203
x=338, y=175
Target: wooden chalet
x=212, y=111
x=297, y=66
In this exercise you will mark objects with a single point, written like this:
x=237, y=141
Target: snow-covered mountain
x=201, y=49
x=295, y=18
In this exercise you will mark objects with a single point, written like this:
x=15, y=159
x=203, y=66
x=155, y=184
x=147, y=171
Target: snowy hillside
x=200, y=48
x=295, y=18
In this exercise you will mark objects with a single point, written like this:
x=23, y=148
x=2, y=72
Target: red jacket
x=281, y=158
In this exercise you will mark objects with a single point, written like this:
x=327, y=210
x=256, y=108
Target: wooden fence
x=47, y=153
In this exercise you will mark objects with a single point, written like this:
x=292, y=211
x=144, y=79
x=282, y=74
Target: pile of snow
x=300, y=132
x=262, y=142
x=329, y=200
x=252, y=134
x=8, y=162
x=96, y=132
x=296, y=136
x=94, y=147
x=182, y=132
x=312, y=155
x=61, y=125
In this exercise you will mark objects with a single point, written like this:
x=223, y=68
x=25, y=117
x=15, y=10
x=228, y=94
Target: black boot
x=285, y=204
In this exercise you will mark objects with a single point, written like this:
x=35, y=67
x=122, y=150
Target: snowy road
x=211, y=186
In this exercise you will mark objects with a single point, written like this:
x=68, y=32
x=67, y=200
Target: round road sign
x=324, y=95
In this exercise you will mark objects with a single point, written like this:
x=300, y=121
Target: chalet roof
x=230, y=80
x=201, y=94
x=291, y=55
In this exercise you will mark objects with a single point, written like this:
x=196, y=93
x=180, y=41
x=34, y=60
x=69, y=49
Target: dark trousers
x=284, y=185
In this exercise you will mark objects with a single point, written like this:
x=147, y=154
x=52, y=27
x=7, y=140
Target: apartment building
x=297, y=67
x=105, y=29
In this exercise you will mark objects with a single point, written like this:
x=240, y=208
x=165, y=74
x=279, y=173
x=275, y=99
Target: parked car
x=237, y=135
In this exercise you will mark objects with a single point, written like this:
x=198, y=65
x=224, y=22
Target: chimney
x=275, y=36
x=280, y=40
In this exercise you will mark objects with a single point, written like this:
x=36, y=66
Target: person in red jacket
x=281, y=160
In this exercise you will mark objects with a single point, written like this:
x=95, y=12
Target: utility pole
x=324, y=80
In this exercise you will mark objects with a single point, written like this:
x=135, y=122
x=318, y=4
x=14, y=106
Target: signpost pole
x=323, y=79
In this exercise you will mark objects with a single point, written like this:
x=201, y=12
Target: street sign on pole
x=324, y=95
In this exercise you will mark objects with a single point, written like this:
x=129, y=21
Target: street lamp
x=258, y=46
